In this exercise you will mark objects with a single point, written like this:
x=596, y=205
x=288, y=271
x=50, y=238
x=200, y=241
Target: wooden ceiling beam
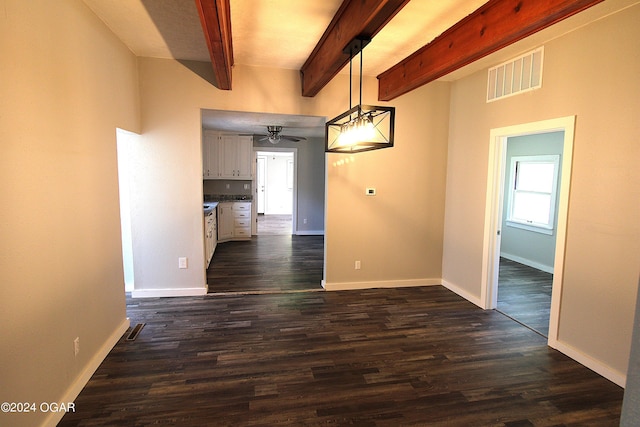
x=215, y=17
x=354, y=18
x=495, y=25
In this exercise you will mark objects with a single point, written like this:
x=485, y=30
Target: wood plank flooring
x=524, y=293
x=380, y=357
x=272, y=263
x=274, y=224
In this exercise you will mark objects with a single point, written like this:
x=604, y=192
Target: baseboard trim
x=463, y=293
x=595, y=365
x=169, y=292
x=310, y=233
x=349, y=286
x=528, y=262
x=76, y=387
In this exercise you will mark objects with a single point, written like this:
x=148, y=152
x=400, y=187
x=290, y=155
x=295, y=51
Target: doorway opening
x=531, y=177
x=275, y=191
x=125, y=144
x=500, y=187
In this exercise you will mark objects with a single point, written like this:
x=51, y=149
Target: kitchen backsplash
x=216, y=190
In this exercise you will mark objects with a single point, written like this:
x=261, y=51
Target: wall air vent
x=515, y=76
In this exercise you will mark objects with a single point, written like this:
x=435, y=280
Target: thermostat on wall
x=370, y=192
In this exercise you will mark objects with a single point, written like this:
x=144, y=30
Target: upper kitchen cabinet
x=226, y=156
x=236, y=156
x=210, y=155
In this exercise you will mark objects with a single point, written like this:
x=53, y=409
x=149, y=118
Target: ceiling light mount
x=363, y=127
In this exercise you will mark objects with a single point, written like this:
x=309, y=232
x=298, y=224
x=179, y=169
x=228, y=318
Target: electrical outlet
x=182, y=262
x=76, y=346
x=304, y=221
x=370, y=191
x=357, y=266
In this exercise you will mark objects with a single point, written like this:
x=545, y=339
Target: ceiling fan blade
x=293, y=138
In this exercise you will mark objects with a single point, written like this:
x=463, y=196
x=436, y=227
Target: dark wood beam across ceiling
x=215, y=17
x=354, y=18
x=495, y=25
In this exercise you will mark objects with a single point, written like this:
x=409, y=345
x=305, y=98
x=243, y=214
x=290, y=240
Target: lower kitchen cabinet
x=210, y=237
x=242, y=220
x=234, y=221
x=225, y=221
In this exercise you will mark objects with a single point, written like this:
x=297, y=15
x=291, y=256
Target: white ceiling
x=272, y=33
x=282, y=34
x=256, y=123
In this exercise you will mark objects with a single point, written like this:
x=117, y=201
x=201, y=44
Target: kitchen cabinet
x=210, y=155
x=234, y=221
x=226, y=156
x=225, y=221
x=210, y=236
x=235, y=156
x=241, y=220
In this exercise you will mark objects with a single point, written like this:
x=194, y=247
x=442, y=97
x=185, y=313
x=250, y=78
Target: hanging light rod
x=363, y=127
x=355, y=46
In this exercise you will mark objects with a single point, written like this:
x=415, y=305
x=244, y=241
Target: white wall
x=397, y=234
x=403, y=219
x=525, y=246
x=590, y=73
x=631, y=404
x=126, y=142
x=66, y=84
x=310, y=183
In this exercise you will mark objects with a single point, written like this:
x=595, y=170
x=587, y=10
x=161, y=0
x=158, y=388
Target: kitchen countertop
x=209, y=207
x=227, y=198
x=213, y=201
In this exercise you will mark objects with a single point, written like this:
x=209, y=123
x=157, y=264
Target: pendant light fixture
x=363, y=127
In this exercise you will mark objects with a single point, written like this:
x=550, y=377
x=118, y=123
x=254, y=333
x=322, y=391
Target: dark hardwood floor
x=268, y=351
x=271, y=263
x=380, y=357
x=524, y=293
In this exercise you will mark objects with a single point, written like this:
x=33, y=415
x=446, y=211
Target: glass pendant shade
x=363, y=127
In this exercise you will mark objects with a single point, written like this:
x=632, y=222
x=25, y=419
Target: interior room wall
x=172, y=97
x=396, y=234
x=590, y=73
x=525, y=246
x=67, y=83
x=310, y=182
x=631, y=404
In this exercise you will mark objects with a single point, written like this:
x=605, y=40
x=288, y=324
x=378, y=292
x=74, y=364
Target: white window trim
x=535, y=227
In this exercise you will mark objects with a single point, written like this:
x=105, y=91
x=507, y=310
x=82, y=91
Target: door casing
x=493, y=211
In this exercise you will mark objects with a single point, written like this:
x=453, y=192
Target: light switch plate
x=182, y=262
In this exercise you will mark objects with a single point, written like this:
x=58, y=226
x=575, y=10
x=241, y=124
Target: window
x=532, y=192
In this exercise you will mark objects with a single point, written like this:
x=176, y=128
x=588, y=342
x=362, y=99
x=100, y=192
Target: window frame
x=544, y=228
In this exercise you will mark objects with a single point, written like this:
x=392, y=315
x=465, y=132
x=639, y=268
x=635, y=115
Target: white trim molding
x=595, y=365
x=310, y=233
x=348, y=286
x=169, y=292
x=81, y=381
x=464, y=294
x=530, y=263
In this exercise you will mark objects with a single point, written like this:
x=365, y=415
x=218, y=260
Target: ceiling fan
x=274, y=136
